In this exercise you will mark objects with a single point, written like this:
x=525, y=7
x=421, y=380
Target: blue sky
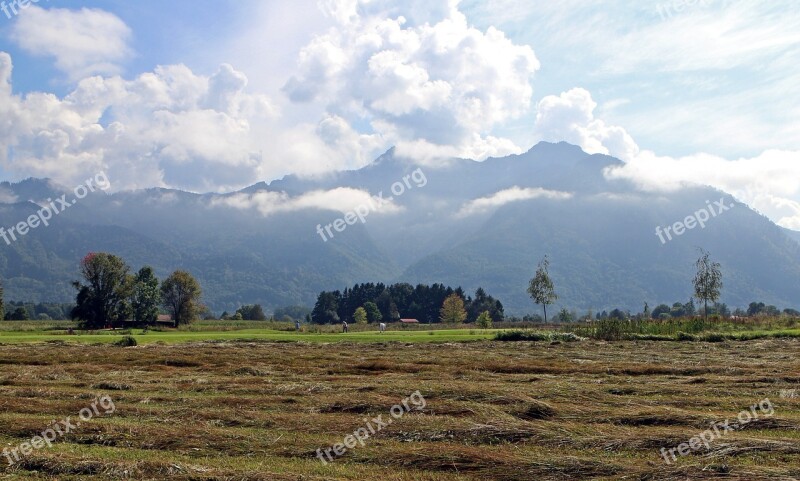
x=219, y=95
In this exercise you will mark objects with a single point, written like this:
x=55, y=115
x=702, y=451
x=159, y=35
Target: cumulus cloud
x=414, y=75
x=343, y=199
x=507, y=196
x=82, y=42
x=769, y=182
x=170, y=127
x=418, y=75
x=570, y=117
x=339, y=136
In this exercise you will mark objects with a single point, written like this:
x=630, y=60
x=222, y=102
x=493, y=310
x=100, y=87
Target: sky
x=218, y=95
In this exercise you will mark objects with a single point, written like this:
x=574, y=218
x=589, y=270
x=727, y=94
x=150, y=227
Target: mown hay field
x=244, y=410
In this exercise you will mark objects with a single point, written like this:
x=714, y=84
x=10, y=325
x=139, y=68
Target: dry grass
x=495, y=411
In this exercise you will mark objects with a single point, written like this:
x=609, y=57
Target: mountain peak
x=34, y=189
x=387, y=157
x=562, y=147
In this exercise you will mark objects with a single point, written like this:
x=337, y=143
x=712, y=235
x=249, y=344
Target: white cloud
x=414, y=75
x=570, y=117
x=769, y=182
x=732, y=34
x=169, y=127
x=82, y=42
x=629, y=36
x=343, y=199
x=705, y=77
x=418, y=74
x=6, y=196
x=426, y=153
x=507, y=196
x=792, y=220
x=339, y=136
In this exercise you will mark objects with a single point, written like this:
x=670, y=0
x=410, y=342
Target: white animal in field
x=382, y=326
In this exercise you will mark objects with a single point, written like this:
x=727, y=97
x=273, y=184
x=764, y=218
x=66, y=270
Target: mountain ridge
x=552, y=200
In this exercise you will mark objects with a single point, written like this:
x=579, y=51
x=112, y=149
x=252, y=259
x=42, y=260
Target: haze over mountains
x=469, y=223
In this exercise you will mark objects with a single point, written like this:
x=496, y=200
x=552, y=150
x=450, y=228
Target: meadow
x=261, y=408
x=14, y=332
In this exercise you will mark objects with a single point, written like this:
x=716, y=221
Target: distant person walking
x=382, y=327
x=344, y=326
x=296, y=325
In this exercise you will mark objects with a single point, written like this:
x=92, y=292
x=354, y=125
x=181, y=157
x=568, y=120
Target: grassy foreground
x=494, y=411
x=16, y=332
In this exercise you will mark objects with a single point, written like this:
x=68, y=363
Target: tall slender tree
x=146, y=296
x=541, y=287
x=707, y=281
x=180, y=294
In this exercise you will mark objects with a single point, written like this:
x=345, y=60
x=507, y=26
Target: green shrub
x=714, y=337
x=682, y=336
x=521, y=336
x=127, y=341
x=651, y=337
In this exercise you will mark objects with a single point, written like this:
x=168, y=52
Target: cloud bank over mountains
x=416, y=75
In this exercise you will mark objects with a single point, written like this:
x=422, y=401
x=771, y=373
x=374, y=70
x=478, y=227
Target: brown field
x=495, y=411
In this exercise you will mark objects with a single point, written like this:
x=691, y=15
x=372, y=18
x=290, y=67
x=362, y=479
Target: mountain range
x=463, y=223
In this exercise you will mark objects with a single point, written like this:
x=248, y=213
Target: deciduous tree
x=146, y=296
x=373, y=313
x=360, y=316
x=485, y=320
x=252, y=312
x=103, y=299
x=181, y=293
x=707, y=281
x=541, y=287
x=453, y=311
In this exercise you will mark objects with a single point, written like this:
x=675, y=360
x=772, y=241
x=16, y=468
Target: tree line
x=707, y=284
x=42, y=311
x=110, y=295
x=382, y=303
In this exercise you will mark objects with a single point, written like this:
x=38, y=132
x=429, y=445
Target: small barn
x=409, y=321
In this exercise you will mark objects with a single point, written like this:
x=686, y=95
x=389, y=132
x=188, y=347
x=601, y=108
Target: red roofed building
x=409, y=321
